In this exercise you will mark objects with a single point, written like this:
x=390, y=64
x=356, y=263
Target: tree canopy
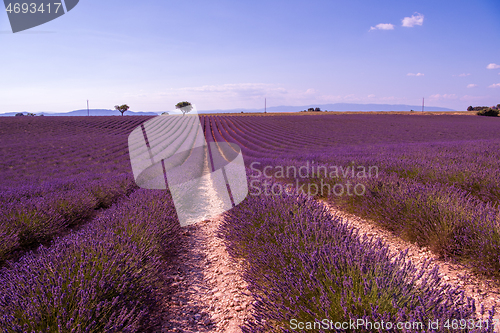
x=122, y=108
x=184, y=106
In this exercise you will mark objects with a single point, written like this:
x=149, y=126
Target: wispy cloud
x=462, y=75
x=493, y=66
x=444, y=96
x=412, y=21
x=473, y=99
x=383, y=26
x=472, y=85
x=496, y=85
x=251, y=95
x=417, y=74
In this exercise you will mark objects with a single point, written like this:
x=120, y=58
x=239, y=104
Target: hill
x=335, y=107
x=83, y=112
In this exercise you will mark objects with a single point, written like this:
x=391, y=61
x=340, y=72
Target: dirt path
x=484, y=291
x=208, y=293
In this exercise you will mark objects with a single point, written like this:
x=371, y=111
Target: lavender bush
x=33, y=215
x=450, y=221
x=303, y=263
x=100, y=279
x=437, y=184
x=56, y=172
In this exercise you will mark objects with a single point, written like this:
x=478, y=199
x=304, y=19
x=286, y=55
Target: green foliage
x=481, y=108
x=488, y=112
x=122, y=108
x=184, y=106
x=20, y=114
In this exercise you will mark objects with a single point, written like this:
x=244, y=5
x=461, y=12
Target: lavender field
x=83, y=249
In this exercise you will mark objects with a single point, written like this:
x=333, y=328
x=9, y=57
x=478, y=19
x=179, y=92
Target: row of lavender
x=309, y=271
x=422, y=193
x=104, y=278
x=443, y=194
x=38, y=150
x=32, y=215
x=296, y=135
x=56, y=173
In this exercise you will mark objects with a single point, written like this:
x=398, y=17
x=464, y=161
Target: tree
x=470, y=108
x=184, y=106
x=317, y=110
x=498, y=106
x=488, y=112
x=310, y=110
x=122, y=108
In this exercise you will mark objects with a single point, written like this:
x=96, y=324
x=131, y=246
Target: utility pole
x=88, y=111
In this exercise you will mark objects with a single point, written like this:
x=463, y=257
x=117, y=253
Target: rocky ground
x=207, y=293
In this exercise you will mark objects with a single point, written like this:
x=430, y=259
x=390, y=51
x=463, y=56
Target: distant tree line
x=20, y=114
x=479, y=108
x=313, y=110
x=491, y=111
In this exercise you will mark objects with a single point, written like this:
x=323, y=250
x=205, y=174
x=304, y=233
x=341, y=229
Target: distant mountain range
x=283, y=108
x=92, y=112
x=336, y=107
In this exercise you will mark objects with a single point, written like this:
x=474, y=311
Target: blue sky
x=216, y=54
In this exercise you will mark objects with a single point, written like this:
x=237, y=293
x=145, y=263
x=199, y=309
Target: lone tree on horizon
x=184, y=106
x=122, y=108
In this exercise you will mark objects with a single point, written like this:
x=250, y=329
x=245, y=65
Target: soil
x=207, y=292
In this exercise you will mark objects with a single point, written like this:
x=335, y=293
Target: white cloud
x=351, y=98
x=493, y=66
x=413, y=74
x=383, y=26
x=496, y=85
x=417, y=19
x=389, y=98
x=371, y=96
x=444, y=96
x=463, y=74
x=472, y=85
